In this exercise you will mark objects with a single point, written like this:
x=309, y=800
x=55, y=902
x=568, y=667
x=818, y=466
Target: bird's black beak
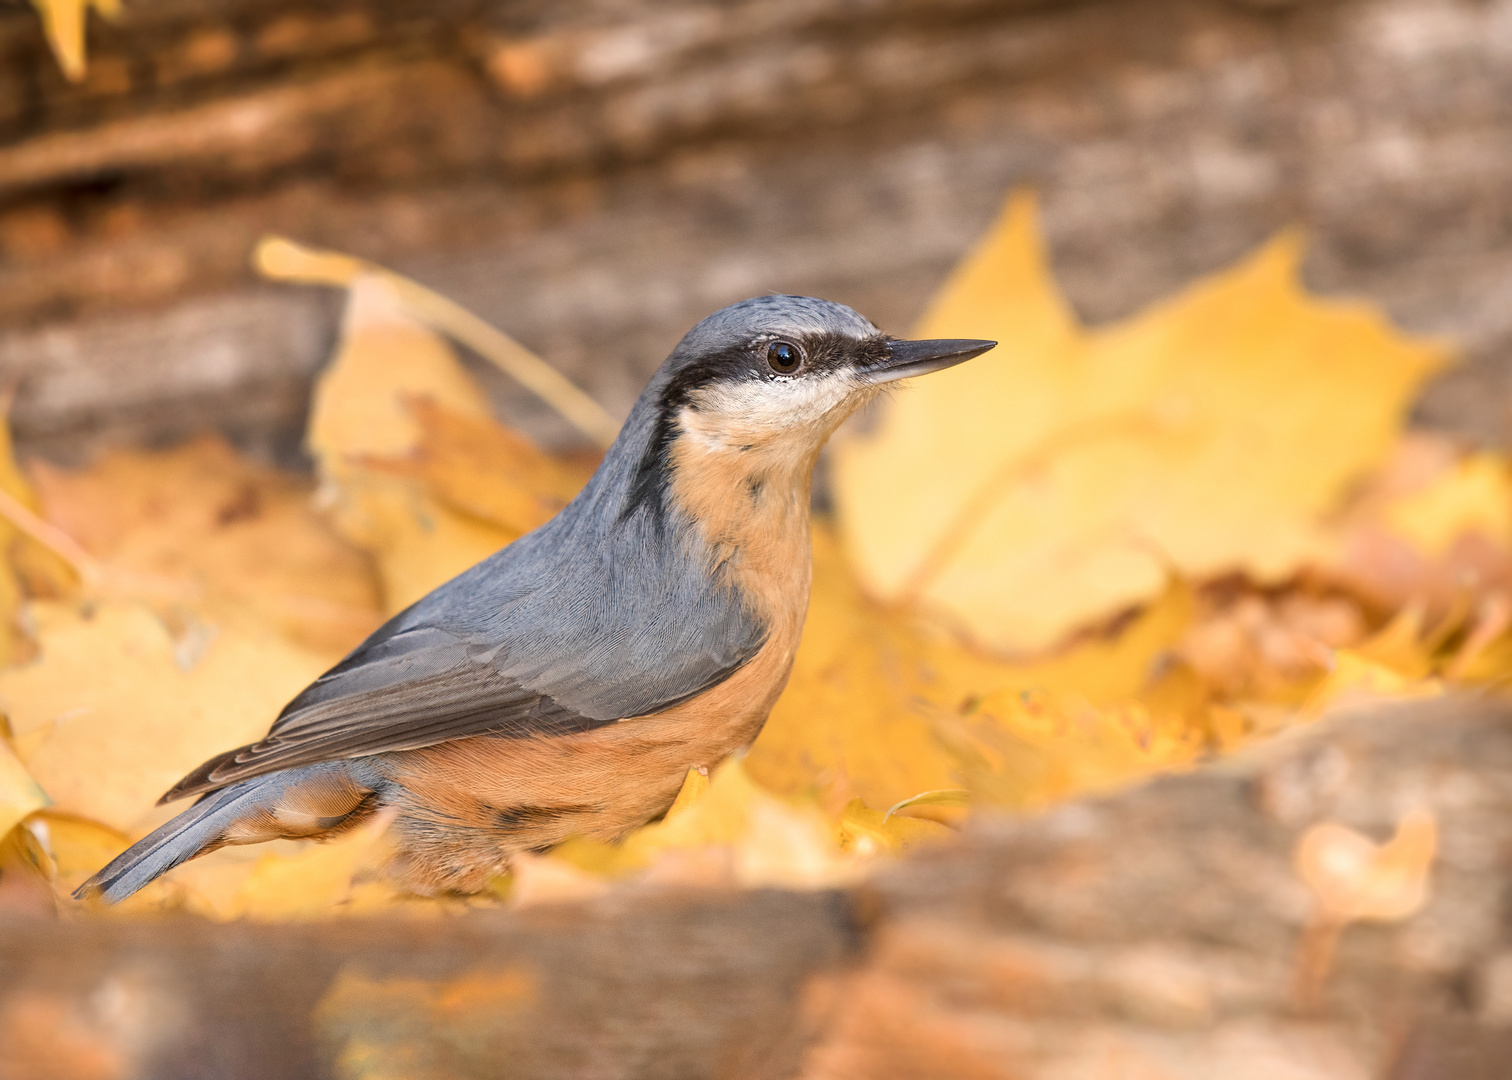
x=905, y=359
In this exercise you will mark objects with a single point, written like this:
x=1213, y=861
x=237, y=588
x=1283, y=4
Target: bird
x=565, y=685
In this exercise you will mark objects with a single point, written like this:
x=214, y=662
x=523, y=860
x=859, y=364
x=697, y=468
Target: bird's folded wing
x=416, y=688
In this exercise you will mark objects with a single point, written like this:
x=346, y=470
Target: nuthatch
x=565, y=685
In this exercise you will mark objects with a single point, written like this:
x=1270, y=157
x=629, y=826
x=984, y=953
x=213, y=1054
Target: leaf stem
x=284, y=260
x=51, y=537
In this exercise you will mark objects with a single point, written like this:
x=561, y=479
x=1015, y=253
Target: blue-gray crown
x=793, y=316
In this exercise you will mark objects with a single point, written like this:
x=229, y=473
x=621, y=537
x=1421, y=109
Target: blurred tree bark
x=1162, y=932
x=595, y=177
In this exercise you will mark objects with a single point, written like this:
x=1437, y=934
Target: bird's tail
x=189, y=834
x=315, y=801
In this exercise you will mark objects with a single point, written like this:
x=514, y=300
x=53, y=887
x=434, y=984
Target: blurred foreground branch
x=1168, y=931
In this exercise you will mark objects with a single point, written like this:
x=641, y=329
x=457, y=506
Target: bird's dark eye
x=784, y=357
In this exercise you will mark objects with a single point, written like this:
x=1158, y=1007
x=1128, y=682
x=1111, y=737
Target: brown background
x=596, y=176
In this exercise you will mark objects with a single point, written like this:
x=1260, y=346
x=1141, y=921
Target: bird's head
x=777, y=374
x=756, y=388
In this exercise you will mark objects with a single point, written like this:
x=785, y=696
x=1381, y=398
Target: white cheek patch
x=757, y=411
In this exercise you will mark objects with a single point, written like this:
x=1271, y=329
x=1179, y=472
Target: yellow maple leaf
x=866, y=831
x=315, y=882
x=849, y=713
x=773, y=842
x=1060, y=477
x=115, y=710
x=362, y=411
x=870, y=684
x=283, y=260
x=1358, y=680
x=20, y=794
x=26, y=565
x=723, y=830
x=1027, y=750
x=202, y=526
x=478, y=467
x=385, y=357
x=77, y=846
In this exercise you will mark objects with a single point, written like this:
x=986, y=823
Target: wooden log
x=675, y=987
x=1163, y=931
x=1169, y=931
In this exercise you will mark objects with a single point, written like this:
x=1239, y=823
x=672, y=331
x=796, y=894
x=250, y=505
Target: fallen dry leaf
x=475, y=466
x=20, y=794
x=363, y=411
x=117, y=708
x=281, y=259
x=1356, y=680
x=740, y=833
x=865, y=831
x=27, y=567
x=774, y=842
x=1248, y=644
x=200, y=525
x=1026, y=750
x=315, y=881
x=871, y=687
x=1062, y=476
x=77, y=846
x=849, y=714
